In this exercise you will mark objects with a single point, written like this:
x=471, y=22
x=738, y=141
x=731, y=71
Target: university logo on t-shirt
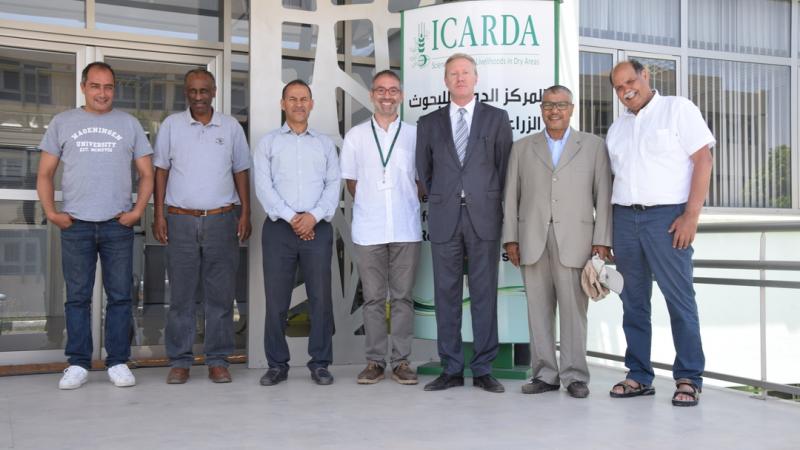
x=95, y=140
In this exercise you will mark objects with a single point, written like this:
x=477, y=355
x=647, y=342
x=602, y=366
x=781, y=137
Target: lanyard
x=385, y=162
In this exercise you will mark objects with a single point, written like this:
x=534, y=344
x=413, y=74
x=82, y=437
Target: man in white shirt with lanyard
x=660, y=156
x=377, y=161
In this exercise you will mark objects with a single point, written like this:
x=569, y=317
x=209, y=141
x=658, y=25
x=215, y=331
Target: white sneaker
x=74, y=377
x=121, y=375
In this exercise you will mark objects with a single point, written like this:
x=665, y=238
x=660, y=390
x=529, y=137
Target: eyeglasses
x=562, y=106
x=384, y=91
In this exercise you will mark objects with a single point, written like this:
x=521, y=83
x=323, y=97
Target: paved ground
x=297, y=414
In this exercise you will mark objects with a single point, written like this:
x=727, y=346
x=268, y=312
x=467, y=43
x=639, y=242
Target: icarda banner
x=515, y=45
x=513, y=42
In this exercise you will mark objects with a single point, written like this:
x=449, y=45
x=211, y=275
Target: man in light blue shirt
x=298, y=182
x=557, y=213
x=556, y=146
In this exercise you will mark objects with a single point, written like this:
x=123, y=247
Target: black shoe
x=274, y=376
x=321, y=376
x=538, y=386
x=445, y=381
x=488, y=383
x=578, y=389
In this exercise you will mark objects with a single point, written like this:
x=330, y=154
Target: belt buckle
x=204, y=213
x=639, y=207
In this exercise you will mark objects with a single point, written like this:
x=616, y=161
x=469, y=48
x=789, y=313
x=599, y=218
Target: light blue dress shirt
x=296, y=173
x=556, y=147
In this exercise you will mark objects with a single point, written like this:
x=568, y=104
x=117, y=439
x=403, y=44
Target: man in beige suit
x=557, y=214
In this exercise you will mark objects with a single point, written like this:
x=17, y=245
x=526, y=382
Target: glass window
x=149, y=90
x=299, y=36
x=240, y=89
x=597, y=97
x=395, y=46
x=362, y=42
x=240, y=27
x=402, y=5
x=394, y=5
x=759, y=27
x=306, y=5
x=31, y=282
x=183, y=19
x=69, y=13
x=663, y=74
x=747, y=107
x=34, y=87
x=646, y=21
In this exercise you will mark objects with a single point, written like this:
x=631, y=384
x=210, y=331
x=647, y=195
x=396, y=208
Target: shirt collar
x=285, y=129
x=392, y=125
x=470, y=107
x=216, y=120
x=551, y=141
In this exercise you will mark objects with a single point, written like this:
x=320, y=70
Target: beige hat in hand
x=597, y=279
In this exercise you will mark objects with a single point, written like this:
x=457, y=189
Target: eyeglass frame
x=561, y=106
x=384, y=91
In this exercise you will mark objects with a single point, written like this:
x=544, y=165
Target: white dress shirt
x=470, y=107
x=650, y=151
x=386, y=207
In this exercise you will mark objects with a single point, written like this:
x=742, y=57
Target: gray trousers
x=548, y=284
x=201, y=250
x=388, y=270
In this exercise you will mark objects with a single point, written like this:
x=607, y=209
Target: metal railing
x=762, y=265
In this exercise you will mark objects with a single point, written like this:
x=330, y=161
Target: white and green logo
x=418, y=56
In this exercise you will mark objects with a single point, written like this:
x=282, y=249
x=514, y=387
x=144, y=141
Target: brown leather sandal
x=630, y=391
x=694, y=393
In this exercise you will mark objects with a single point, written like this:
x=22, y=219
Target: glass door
x=35, y=85
x=37, y=81
x=150, y=87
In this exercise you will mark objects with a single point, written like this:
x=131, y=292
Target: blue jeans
x=80, y=245
x=201, y=250
x=643, y=249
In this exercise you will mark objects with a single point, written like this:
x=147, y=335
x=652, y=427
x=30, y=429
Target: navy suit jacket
x=482, y=177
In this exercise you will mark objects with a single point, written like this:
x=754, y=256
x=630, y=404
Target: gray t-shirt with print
x=96, y=150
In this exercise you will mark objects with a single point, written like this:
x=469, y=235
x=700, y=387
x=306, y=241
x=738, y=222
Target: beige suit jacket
x=576, y=195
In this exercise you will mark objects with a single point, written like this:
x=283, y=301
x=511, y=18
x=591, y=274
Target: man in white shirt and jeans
x=660, y=156
x=377, y=162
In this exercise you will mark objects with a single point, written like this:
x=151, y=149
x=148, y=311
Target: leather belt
x=199, y=212
x=638, y=207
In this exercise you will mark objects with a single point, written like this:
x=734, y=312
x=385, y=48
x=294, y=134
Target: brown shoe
x=178, y=375
x=372, y=374
x=219, y=374
x=403, y=374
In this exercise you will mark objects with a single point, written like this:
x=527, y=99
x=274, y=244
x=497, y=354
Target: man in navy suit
x=462, y=153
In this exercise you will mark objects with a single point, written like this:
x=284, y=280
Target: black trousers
x=282, y=251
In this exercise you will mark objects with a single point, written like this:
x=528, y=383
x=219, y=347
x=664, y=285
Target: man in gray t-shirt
x=96, y=145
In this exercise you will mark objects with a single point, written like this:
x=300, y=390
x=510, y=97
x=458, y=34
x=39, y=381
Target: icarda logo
x=418, y=56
